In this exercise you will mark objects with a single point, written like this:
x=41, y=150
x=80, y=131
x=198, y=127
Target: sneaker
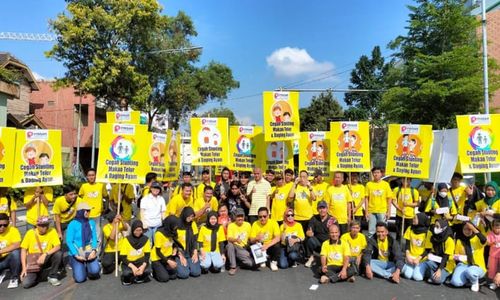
x=54, y=281
x=124, y=283
x=351, y=279
x=294, y=265
x=324, y=279
x=309, y=262
x=492, y=286
x=475, y=287
x=2, y=276
x=263, y=265
x=232, y=271
x=13, y=283
x=274, y=266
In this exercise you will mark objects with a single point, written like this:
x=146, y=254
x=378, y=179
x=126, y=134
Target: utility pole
x=485, y=67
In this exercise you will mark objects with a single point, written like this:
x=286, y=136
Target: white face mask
x=443, y=194
x=438, y=230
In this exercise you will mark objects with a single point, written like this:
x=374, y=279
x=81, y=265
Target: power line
x=26, y=36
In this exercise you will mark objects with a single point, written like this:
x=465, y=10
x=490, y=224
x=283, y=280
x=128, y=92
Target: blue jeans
x=287, y=260
x=212, y=259
x=464, y=274
x=427, y=269
x=12, y=262
x=372, y=222
x=383, y=269
x=82, y=270
x=412, y=272
x=192, y=269
x=150, y=233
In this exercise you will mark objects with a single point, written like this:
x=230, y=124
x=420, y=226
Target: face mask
x=443, y=194
x=438, y=230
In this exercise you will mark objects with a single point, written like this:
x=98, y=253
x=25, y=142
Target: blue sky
x=267, y=44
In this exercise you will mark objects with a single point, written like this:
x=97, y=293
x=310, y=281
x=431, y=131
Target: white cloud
x=245, y=120
x=291, y=62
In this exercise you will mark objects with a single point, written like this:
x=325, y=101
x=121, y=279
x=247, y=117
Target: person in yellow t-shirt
x=64, y=209
x=319, y=189
x=335, y=255
x=441, y=200
x=202, y=206
x=267, y=233
x=490, y=205
x=36, y=201
x=127, y=194
x=188, y=262
x=358, y=196
x=134, y=254
x=115, y=222
x=186, y=178
x=279, y=197
x=405, y=198
x=302, y=196
x=179, y=201
x=469, y=255
x=238, y=233
x=292, y=237
x=415, y=237
x=8, y=206
x=94, y=194
x=211, y=239
x=357, y=243
x=164, y=252
x=378, y=197
x=10, y=240
x=205, y=181
x=339, y=201
x=44, y=240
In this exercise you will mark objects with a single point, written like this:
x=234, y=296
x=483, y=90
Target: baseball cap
x=43, y=220
x=318, y=172
x=239, y=212
x=83, y=205
x=322, y=204
x=156, y=185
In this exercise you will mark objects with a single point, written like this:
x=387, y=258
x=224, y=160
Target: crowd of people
x=450, y=233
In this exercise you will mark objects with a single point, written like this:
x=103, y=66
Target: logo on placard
x=349, y=126
x=245, y=145
x=124, y=129
x=123, y=116
x=123, y=148
x=37, y=135
x=209, y=121
x=281, y=96
x=479, y=120
x=409, y=129
x=481, y=138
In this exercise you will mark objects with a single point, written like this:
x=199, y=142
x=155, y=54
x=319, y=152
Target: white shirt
x=152, y=208
x=259, y=198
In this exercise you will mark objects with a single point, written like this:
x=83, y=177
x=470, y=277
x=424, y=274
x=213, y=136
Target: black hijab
x=137, y=242
x=422, y=225
x=439, y=239
x=467, y=246
x=169, y=227
x=442, y=201
x=187, y=226
x=214, y=228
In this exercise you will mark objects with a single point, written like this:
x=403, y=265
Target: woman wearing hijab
x=490, y=205
x=469, y=255
x=211, y=242
x=440, y=248
x=187, y=260
x=292, y=235
x=134, y=254
x=415, y=237
x=440, y=201
x=164, y=252
x=81, y=239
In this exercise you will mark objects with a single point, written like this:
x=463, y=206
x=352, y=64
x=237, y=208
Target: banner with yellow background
x=314, y=152
x=409, y=150
x=123, y=157
x=479, y=143
x=244, y=150
x=350, y=146
x=127, y=117
x=278, y=155
x=173, y=157
x=37, y=161
x=209, y=141
x=7, y=151
x=156, y=153
x=281, y=116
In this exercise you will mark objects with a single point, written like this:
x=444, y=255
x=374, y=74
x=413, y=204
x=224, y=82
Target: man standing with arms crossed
x=378, y=200
x=259, y=191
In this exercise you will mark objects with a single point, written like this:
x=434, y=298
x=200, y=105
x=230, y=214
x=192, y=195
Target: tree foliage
x=222, y=112
x=316, y=116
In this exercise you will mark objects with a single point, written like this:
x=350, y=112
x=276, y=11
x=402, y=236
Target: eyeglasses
x=263, y=217
x=4, y=225
x=290, y=215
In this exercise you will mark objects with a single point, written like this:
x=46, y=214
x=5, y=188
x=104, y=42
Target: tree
x=222, y=112
x=439, y=73
x=126, y=49
x=316, y=116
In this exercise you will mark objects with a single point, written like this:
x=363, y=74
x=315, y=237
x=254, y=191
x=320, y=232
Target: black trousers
x=108, y=262
x=162, y=272
x=128, y=275
x=52, y=263
x=274, y=252
x=334, y=271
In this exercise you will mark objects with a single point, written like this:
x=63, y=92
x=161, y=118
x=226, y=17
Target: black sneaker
x=124, y=283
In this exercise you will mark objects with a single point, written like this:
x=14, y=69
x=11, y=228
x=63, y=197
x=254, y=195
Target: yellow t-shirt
x=303, y=203
x=128, y=195
x=338, y=199
x=404, y=195
x=177, y=204
x=9, y=237
x=181, y=234
x=93, y=194
x=378, y=193
x=205, y=237
x=278, y=203
x=38, y=209
x=288, y=231
x=200, y=202
x=200, y=190
x=134, y=254
x=358, y=195
x=449, y=249
x=383, y=250
x=242, y=232
x=4, y=206
x=270, y=230
x=48, y=241
x=165, y=244
x=356, y=245
x=319, y=190
x=432, y=205
x=61, y=205
x=477, y=252
x=482, y=206
x=417, y=242
x=110, y=244
x=178, y=191
x=335, y=253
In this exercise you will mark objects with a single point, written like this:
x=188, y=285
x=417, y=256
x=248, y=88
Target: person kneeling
x=10, y=240
x=134, y=254
x=211, y=239
x=164, y=252
x=335, y=256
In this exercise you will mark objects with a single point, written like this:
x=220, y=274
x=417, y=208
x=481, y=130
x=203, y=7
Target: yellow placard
x=123, y=157
x=37, y=161
x=209, y=141
x=278, y=155
x=409, y=150
x=173, y=157
x=127, y=117
x=7, y=150
x=350, y=146
x=479, y=143
x=281, y=116
x=314, y=152
x=244, y=150
x=156, y=153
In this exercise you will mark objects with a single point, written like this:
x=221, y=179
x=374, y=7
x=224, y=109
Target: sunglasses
x=262, y=217
x=4, y=225
x=290, y=215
